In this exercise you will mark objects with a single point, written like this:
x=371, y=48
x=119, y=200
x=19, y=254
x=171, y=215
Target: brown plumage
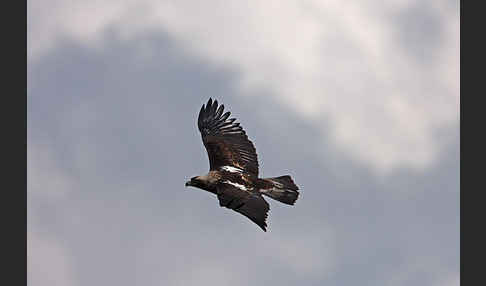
x=233, y=168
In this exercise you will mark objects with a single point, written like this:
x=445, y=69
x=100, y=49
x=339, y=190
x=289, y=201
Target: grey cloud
x=123, y=129
x=419, y=30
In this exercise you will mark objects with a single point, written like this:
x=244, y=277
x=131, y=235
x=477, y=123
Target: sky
x=357, y=100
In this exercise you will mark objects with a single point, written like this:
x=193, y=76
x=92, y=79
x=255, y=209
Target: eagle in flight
x=233, y=172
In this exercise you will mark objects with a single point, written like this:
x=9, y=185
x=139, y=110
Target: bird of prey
x=233, y=172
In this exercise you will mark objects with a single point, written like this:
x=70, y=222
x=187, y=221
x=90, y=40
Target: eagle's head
x=206, y=182
x=196, y=182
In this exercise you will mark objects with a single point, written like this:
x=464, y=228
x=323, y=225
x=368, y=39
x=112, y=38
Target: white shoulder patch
x=241, y=187
x=231, y=169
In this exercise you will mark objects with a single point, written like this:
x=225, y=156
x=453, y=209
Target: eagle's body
x=233, y=174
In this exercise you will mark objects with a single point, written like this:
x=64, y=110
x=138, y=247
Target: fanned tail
x=282, y=189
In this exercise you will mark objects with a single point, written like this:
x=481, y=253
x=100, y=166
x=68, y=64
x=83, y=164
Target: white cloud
x=48, y=261
x=328, y=60
x=451, y=280
x=454, y=280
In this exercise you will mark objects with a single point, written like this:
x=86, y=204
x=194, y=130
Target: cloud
x=453, y=280
x=385, y=76
x=112, y=139
x=49, y=260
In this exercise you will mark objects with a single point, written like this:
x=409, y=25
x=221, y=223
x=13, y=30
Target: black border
x=471, y=205
x=14, y=119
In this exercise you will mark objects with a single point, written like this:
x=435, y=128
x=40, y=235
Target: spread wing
x=225, y=141
x=251, y=205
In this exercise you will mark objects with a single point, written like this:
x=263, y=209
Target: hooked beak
x=188, y=183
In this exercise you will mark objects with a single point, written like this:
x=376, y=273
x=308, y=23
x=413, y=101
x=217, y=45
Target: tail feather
x=282, y=189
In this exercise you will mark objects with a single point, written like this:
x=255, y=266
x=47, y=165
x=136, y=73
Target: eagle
x=233, y=168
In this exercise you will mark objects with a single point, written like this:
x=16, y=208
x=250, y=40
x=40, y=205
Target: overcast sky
x=357, y=100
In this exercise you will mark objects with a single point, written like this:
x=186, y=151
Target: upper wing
x=225, y=141
x=251, y=205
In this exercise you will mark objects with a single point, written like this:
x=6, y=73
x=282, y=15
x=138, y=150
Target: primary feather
x=226, y=142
